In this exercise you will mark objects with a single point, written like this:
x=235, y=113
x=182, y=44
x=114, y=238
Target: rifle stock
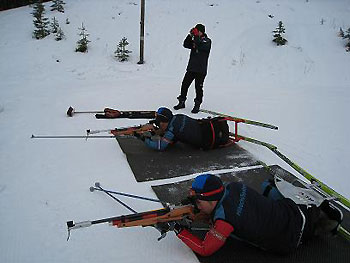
x=156, y=216
x=148, y=218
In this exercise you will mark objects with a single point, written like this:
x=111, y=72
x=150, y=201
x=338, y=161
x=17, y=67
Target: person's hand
x=163, y=227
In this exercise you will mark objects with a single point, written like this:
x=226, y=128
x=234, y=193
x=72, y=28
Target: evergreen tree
x=83, y=42
x=57, y=5
x=54, y=25
x=59, y=34
x=122, y=53
x=347, y=37
x=341, y=33
x=278, y=35
x=40, y=22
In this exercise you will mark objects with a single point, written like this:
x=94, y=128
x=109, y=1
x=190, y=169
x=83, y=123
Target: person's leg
x=270, y=190
x=199, y=80
x=186, y=82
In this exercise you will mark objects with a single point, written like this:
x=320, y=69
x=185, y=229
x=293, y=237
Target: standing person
x=239, y=211
x=200, y=44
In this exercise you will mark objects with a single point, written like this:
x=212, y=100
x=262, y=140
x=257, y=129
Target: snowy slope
x=303, y=88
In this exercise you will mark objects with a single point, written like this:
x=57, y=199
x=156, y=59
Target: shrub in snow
x=59, y=34
x=83, y=42
x=54, y=25
x=347, y=37
x=341, y=33
x=278, y=35
x=122, y=53
x=67, y=21
x=57, y=5
x=40, y=22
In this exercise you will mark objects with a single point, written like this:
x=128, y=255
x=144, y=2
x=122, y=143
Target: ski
x=237, y=120
x=296, y=167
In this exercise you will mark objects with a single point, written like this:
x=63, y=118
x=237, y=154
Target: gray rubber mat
x=180, y=159
x=320, y=250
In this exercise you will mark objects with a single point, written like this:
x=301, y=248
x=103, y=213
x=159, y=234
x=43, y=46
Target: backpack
x=215, y=132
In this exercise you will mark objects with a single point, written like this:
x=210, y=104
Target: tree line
x=9, y=4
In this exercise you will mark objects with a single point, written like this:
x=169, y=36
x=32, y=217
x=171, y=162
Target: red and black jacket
x=245, y=214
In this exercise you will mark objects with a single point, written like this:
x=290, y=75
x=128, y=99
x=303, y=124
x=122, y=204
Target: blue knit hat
x=208, y=187
x=163, y=115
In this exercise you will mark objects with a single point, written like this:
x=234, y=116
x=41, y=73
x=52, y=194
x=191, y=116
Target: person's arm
x=161, y=143
x=188, y=42
x=213, y=241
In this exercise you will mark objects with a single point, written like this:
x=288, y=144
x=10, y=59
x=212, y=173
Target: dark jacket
x=205, y=133
x=274, y=225
x=200, y=49
x=268, y=224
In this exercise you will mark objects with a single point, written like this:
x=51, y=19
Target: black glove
x=163, y=227
x=139, y=136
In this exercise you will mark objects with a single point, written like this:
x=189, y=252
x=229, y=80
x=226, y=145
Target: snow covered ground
x=303, y=88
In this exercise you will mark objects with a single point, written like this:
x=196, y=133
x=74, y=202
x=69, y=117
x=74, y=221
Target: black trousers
x=186, y=82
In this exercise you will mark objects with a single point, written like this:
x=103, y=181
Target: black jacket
x=268, y=224
x=200, y=49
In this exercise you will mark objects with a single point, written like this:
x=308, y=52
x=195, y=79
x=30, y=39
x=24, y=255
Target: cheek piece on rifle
x=191, y=200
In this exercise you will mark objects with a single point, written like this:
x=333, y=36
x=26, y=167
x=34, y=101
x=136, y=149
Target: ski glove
x=194, y=32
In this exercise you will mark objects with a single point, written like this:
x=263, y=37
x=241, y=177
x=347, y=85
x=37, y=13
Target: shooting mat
x=320, y=250
x=180, y=159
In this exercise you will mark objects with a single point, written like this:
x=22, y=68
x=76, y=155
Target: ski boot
x=180, y=105
x=329, y=220
x=196, y=107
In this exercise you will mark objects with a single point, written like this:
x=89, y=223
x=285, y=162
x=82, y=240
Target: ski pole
x=92, y=188
x=71, y=111
x=114, y=198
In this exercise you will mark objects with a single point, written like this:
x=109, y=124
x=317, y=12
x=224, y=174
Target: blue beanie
x=208, y=187
x=163, y=115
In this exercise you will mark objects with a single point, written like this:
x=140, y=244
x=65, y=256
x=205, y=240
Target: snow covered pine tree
x=57, y=5
x=40, y=22
x=278, y=35
x=83, y=42
x=122, y=53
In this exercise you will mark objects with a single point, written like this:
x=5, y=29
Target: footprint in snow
x=2, y=188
